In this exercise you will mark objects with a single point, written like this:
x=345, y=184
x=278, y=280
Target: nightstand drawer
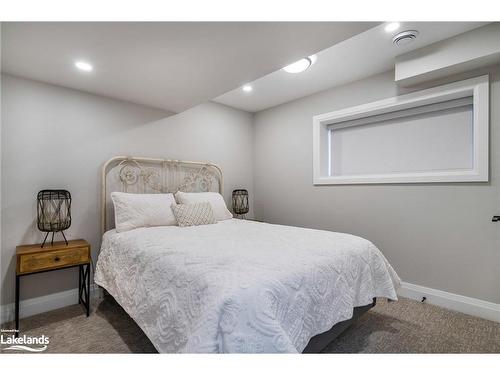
x=53, y=259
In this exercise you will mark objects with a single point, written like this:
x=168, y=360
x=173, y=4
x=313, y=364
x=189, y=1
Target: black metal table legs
x=83, y=290
x=17, y=304
x=84, y=286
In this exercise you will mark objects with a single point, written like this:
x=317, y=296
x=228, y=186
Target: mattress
x=240, y=286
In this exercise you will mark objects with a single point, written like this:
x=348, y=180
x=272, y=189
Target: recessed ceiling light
x=301, y=65
x=392, y=26
x=247, y=88
x=83, y=65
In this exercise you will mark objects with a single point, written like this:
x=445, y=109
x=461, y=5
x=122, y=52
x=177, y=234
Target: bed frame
x=147, y=176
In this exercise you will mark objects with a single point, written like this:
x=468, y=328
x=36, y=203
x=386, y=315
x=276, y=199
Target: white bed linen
x=240, y=286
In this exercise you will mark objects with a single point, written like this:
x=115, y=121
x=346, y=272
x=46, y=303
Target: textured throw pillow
x=194, y=214
x=142, y=210
x=215, y=199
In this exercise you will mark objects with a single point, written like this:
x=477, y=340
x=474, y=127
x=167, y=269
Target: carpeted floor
x=398, y=327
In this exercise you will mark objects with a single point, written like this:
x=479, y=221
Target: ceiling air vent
x=405, y=37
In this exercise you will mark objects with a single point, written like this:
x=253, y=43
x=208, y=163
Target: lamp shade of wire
x=240, y=202
x=53, y=212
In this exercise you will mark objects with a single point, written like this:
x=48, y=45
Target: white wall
x=58, y=138
x=435, y=235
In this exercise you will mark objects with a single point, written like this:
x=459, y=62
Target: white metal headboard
x=147, y=176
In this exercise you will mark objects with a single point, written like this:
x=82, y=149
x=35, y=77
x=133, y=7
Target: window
x=435, y=135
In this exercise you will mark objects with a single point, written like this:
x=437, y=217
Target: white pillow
x=215, y=199
x=142, y=210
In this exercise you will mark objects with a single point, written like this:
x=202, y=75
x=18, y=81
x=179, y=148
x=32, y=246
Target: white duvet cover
x=240, y=286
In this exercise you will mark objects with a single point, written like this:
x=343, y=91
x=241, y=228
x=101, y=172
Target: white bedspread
x=240, y=286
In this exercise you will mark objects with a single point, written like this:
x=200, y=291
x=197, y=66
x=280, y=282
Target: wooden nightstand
x=35, y=259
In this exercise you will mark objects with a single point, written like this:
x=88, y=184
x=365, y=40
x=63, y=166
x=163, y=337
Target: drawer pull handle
x=57, y=259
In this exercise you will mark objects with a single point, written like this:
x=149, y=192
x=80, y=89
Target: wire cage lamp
x=53, y=212
x=240, y=203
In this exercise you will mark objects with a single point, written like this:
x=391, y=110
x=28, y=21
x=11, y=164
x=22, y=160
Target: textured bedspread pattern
x=240, y=286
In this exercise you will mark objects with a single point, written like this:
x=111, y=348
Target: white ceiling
x=169, y=65
x=361, y=56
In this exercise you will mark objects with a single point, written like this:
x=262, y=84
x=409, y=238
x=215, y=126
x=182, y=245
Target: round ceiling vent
x=405, y=37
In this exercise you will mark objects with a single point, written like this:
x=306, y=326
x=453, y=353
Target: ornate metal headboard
x=147, y=176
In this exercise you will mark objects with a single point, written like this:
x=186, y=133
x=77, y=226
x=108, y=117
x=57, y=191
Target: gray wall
x=436, y=235
x=58, y=138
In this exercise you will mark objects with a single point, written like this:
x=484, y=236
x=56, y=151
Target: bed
x=237, y=286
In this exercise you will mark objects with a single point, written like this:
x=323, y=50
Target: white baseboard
x=456, y=302
x=42, y=304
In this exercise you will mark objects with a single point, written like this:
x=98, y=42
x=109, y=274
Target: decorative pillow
x=142, y=210
x=215, y=199
x=194, y=214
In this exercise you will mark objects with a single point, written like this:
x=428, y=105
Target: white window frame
x=477, y=87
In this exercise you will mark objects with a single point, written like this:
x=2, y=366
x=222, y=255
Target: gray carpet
x=399, y=327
